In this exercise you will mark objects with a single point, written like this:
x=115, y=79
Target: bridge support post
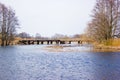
x=51, y=42
x=79, y=42
x=37, y=42
x=69, y=42
x=47, y=42
x=41, y=42
x=28, y=42
x=32, y=42
x=62, y=42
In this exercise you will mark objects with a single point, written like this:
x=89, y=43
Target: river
x=32, y=62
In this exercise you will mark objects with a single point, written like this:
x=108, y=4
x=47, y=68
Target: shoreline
x=62, y=48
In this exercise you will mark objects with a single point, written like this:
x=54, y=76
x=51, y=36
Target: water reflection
x=33, y=63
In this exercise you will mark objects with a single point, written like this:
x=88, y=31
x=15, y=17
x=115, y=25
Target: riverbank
x=82, y=48
x=67, y=48
x=14, y=42
x=106, y=47
x=111, y=45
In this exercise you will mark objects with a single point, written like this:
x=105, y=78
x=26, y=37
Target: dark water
x=33, y=63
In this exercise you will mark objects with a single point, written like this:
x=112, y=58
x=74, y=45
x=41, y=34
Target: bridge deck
x=48, y=41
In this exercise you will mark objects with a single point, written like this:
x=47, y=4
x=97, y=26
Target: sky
x=48, y=17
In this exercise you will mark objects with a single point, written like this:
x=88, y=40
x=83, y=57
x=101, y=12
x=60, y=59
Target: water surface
x=33, y=63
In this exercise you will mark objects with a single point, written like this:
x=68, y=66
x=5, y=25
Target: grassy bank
x=113, y=44
x=14, y=42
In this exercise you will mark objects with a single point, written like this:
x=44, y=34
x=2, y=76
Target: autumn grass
x=113, y=45
x=116, y=42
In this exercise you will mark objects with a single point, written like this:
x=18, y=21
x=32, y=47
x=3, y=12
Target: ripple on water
x=33, y=63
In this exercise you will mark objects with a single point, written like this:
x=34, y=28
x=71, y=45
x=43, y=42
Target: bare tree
x=38, y=36
x=106, y=20
x=24, y=35
x=77, y=36
x=9, y=23
x=3, y=15
x=60, y=36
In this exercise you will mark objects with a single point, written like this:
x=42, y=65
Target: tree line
x=105, y=23
x=24, y=35
x=8, y=24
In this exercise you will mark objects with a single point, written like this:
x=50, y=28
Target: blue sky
x=48, y=17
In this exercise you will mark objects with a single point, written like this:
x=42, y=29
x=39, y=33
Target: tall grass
x=112, y=42
x=116, y=42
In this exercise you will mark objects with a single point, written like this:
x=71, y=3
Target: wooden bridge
x=29, y=42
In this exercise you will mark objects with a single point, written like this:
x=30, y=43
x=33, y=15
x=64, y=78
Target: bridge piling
x=78, y=42
x=32, y=42
x=62, y=42
x=51, y=42
x=69, y=42
x=29, y=42
x=37, y=42
x=47, y=42
x=42, y=42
